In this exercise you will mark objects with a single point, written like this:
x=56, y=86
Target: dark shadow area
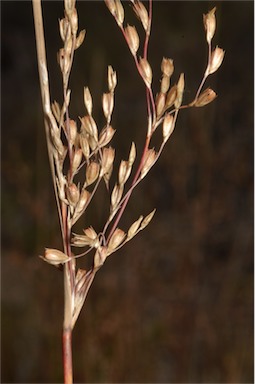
x=176, y=304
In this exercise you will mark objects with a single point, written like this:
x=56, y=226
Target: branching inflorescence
x=77, y=148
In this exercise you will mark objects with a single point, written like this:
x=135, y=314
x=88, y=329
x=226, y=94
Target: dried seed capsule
x=112, y=79
x=111, y=6
x=206, y=97
x=210, y=24
x=73, y=194
x=107, y=103
x=171, y=96
x=165, y=83
x=77, y=157
x=72, y=130
x=168, y=127
x=142, y=14
x=123, y=171
x=134, y=228
x=149, y=160
x=107, y=160
x=180, y=89
x=106, y=135
x=87, y=100
x=167, y=67
x=54, y=256
x=146, y=71
x=132, y=39
x=81, y=205
x=216, y=60
x=147, y=219
x=116, y=239
x=116, y=196
x=132, y=154
x=80, y=39
x=100, y=256
x=92, y=172
x=89, y=125
x=119, y=12
x=89, y=238
x=160, y=103
x=84, y=146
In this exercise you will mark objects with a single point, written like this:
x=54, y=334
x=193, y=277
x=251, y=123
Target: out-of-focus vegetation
x=175, y=304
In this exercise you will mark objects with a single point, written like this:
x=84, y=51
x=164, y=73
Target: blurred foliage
x=175, y=304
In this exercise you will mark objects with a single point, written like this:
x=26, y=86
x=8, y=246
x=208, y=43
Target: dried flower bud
x=134, y=228
x=210, y=24
x=116, y=239
x=165, y=83
x=132, y=39
x=54, y=256
x=146, y=71
x=160, y=103
x=77, y=157
x=112, y=79
x=216, y=60
x=79, y=40
x=107, y=160
x=108, y=102
x=206, y=97
x=171, y=96
x=73, y=194
x=167, y=66
x=142, y=14
x=168, y=127
x=149, y=160
x=119, y=12
x=180, y=89
x=147, y=219
x=87, y=100
x=92, y=172
x=106, y=135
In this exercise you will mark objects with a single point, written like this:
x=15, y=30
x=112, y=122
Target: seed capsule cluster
x=80, y=147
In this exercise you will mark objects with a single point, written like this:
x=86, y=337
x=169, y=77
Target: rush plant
x=81, y=156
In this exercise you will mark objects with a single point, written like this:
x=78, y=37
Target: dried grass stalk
x=85, y=148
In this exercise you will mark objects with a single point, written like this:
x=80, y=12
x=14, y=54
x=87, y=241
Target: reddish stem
x=67, y=356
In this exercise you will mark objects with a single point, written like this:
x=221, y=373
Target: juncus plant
x=80, y=150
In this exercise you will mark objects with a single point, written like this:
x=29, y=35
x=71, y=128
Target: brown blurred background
x=176, y=304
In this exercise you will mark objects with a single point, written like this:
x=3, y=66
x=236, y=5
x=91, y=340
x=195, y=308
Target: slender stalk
x=67, y=356
x=62, y=210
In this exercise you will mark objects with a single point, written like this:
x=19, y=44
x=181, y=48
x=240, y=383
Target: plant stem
x=62, y=210
x=67, y=355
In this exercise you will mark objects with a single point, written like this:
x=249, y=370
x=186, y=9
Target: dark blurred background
x=176, y=303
